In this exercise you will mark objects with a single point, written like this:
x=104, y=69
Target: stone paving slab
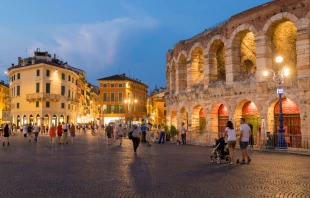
x=91, y=168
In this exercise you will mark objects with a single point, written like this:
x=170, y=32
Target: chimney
x=19, y=61
x=33, y=61
x=54, y=56
x=12, y=64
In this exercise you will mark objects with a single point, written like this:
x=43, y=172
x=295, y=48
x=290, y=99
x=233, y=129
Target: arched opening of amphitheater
x=248, y=110
x=184, y=117
x=291, y=115
x=173, y=78
x=182, y=77
x=217, y=61
x=174, y=118
x=219, y=118
x=197, y=66
x=199, y=119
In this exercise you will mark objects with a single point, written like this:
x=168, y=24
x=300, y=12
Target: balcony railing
x=113, y=100
x=73, y=100
x=43, y=96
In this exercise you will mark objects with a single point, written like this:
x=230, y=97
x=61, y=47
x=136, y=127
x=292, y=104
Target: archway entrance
x=18, y=121
x=184, y=117
x=38, y=121
x=54, y=120
x=24, y=119
x=61, y=119
x=222, y=119
x=31, y=119
x=174, y=121
x=251, y=115
x=202, y=120
x=46, y=120
x=291, y=122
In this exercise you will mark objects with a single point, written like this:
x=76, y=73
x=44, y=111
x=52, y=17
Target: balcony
x=42, y=96
x=73, y=100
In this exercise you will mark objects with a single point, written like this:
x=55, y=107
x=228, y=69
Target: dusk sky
x=107, y=37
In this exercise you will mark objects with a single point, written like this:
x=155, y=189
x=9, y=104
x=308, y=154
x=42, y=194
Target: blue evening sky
x=105, y=37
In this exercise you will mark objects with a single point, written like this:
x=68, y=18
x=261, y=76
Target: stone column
x=263, y=55
x=189, y=69
x=229, y=64
x=206, y=79
x=303, y=48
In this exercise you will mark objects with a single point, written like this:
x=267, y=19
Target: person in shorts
x=245, y=132
x=109, y=132
x=120, y=134
x=36, y=130
x=230, y=134
x=65, y=133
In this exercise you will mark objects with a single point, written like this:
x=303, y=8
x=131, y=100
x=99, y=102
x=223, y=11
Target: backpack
x=29, y=129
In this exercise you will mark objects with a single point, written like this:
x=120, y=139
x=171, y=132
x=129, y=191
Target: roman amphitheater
x=217, y=75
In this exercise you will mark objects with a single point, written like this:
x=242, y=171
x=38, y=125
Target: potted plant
x=173, y=132
x=167, y=131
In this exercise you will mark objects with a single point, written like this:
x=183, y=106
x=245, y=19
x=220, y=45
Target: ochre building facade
x=217, y=75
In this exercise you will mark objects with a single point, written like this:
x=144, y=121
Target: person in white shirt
x=230, y=134
x=36, y=132
x=25, y=130
x=245, y=132
x=183, y=133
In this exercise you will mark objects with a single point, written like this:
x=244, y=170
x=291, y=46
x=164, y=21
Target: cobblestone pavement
x=91, y=168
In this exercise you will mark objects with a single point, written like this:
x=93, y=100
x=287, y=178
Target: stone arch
x=213, y=114
x=195, y=117
x=168, y=78
x=38, y=119
x=196, y=72
x=183, y=113
x=281, y=30
x=216, y=59
x=173, y=78
x=46, y=120
x=182, y=72
x=196, y=45
x=183, y=52
x=243, y=49
x=174, y=117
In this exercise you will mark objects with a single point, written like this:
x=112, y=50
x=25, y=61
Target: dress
x=53, y=132
x=6, y=132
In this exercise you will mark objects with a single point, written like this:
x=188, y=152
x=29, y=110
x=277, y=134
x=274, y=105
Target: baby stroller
x=218, y=152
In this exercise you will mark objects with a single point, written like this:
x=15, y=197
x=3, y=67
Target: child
x=53, y=135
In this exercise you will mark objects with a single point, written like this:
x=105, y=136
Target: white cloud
x=94, y=44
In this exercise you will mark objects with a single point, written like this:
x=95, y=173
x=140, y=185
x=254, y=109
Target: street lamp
x=129, y=104
x=279, y=78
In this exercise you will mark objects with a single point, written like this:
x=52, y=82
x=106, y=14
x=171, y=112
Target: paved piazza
x=92, y=169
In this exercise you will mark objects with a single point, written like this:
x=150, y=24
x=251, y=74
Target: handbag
x=130, y=135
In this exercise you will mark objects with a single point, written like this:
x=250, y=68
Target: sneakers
x=242, y=162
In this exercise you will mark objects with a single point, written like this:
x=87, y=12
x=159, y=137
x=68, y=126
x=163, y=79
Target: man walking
x=143, y=129
x=183, y=133
x=109, y=132
x=65, y=133
x=29, y=131
x=36, y=132
x=162, y=134
x=245, y=132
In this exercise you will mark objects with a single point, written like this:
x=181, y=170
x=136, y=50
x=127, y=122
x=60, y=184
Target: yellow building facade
x=44, y=90
x=122, y=99
x=4, y=102
x=156, y=107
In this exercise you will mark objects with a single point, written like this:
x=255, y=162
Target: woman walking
x=135, y=137
x=59, y=132
x=53, y=135
x=149, y=134
x=230, y=133
x=6, y=134
x=72, y=133
x=120, y=134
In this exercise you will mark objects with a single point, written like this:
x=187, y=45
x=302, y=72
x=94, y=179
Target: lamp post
x=279, y=78
x=129, y=103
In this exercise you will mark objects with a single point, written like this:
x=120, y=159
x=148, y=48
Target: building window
x=38, y=72
x=48, y=88
x=37, y=87
x=72, y=80
x=121, y=109
x=63, y=90
x=18, y=76
x=134, y=108
x=112, y=85
x=14, y=77
x=105, y=98
x=120, y=85
x=120, y=96
x=63, y=76
x=47, y=104
x=104, y=85
x=37, y=103
x=134, y=87
x=17, y=105
x=18, y=90
x=69, y=78
x=112, y=97
x=68, y=106
x=47, y=73
x=165, y=112
x=69, y=94
x=62, y=105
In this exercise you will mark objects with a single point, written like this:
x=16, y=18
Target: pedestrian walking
x=251, y=140
x=29, y=132
x=36, y=132
x=143, y=129
x=162, y=134
x=42, y=129
x=52, y=132
x=25, y=130
x=230, y=134
x=109, y=132
x=183, y=133
x=120, y=134
x=59, y=133
x=46, y=129
x=14, y=130
x=149, y=134
x=65, y=133
x=6, y=135
x=135, y=137
x=72, y=133
x=245, y=132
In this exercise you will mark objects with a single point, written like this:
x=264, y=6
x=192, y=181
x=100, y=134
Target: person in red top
x=59, y=132
x=53, y=134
